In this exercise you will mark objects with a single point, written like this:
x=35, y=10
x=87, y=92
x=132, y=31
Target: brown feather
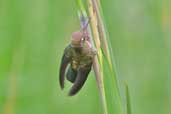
x=80, y=79
x=63, y=66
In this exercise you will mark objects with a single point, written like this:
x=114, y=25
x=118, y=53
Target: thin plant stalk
x=102, y=64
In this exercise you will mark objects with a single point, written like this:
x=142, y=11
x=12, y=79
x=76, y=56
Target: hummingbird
x=77, y=59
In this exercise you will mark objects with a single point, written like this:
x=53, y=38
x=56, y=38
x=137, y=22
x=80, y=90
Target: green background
x=34, y=33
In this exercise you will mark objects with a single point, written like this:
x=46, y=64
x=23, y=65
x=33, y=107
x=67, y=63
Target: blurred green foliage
x=33, y=34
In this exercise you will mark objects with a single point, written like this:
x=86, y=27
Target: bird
x=77, y=59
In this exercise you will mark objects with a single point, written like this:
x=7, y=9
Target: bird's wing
x=64, y=62
x=80, y=79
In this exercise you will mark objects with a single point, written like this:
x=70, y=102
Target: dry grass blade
x=103, y=66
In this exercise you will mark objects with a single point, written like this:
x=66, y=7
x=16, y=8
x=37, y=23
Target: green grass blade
x=128, y=102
